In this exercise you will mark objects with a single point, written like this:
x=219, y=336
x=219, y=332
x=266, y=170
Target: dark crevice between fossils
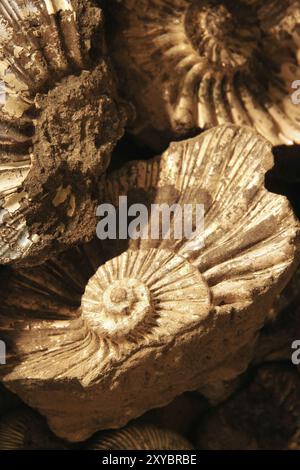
x=284, y=177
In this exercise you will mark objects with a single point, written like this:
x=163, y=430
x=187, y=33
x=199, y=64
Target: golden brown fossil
x=139, y=437
x=8, y=401
x=59, y=121
x=160, y=316
x=189, y=64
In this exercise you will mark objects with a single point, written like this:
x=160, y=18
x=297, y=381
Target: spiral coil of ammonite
x=190, y=64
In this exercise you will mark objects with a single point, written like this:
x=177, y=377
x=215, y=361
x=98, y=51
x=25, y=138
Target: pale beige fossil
x=93, y=344
x=189, y=64
x=59, y=121
x=139, y=437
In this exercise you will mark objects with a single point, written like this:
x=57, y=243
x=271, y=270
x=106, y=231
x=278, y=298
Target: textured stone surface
x=93, y=345
x=189, y=64
x=60, y=119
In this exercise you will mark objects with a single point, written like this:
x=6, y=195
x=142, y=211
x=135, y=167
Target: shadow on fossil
x=118, y=329
x=189, y=65
x=60, y=119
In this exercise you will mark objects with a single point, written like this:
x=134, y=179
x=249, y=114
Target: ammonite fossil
x=264, y=415
x=23, y=429
x=60, y=119
x=189, y=64
x=160, y=316
x=179, y=416
x=139, y=437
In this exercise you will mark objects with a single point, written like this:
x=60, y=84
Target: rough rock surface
x=263, y=416
x=60, y=119
x=159, y=317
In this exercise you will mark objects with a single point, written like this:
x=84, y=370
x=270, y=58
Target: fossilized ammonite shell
x=59, y=119
x=139, y=437
x=24, y=429
x=160, y=316
x=265, y=415
x=189, y=64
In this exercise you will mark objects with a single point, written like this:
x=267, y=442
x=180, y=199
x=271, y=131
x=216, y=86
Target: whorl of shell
x=24, y=429
x=139, y=437
x=123, y=336
x=59, y=121
x=277, y=337
x=264, y=415
x=189, y=64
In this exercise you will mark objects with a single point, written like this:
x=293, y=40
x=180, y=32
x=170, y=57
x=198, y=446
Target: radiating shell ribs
x=189, y=64
x=159, y=317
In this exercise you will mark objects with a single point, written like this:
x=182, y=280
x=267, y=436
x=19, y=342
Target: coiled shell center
x=121, y=306
x=224, y=32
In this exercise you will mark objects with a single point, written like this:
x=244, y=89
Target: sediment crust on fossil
x=197, y=64
x=60, y=119
x=118, y=330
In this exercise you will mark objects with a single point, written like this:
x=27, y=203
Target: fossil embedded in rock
x=179, y=416
x=159, y=317
x=59, y=119
x=189, y=64
x=8, y=401
x=24, y=429
x=139, y=437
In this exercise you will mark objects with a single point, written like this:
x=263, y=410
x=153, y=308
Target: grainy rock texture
x=162, y=316
x=60, y=119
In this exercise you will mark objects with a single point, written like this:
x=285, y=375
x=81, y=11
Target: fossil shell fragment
x=139, y=437
x=263, y=416
x=159, y=317
x=189, y=64
x=23, y=429
x=59, y=119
